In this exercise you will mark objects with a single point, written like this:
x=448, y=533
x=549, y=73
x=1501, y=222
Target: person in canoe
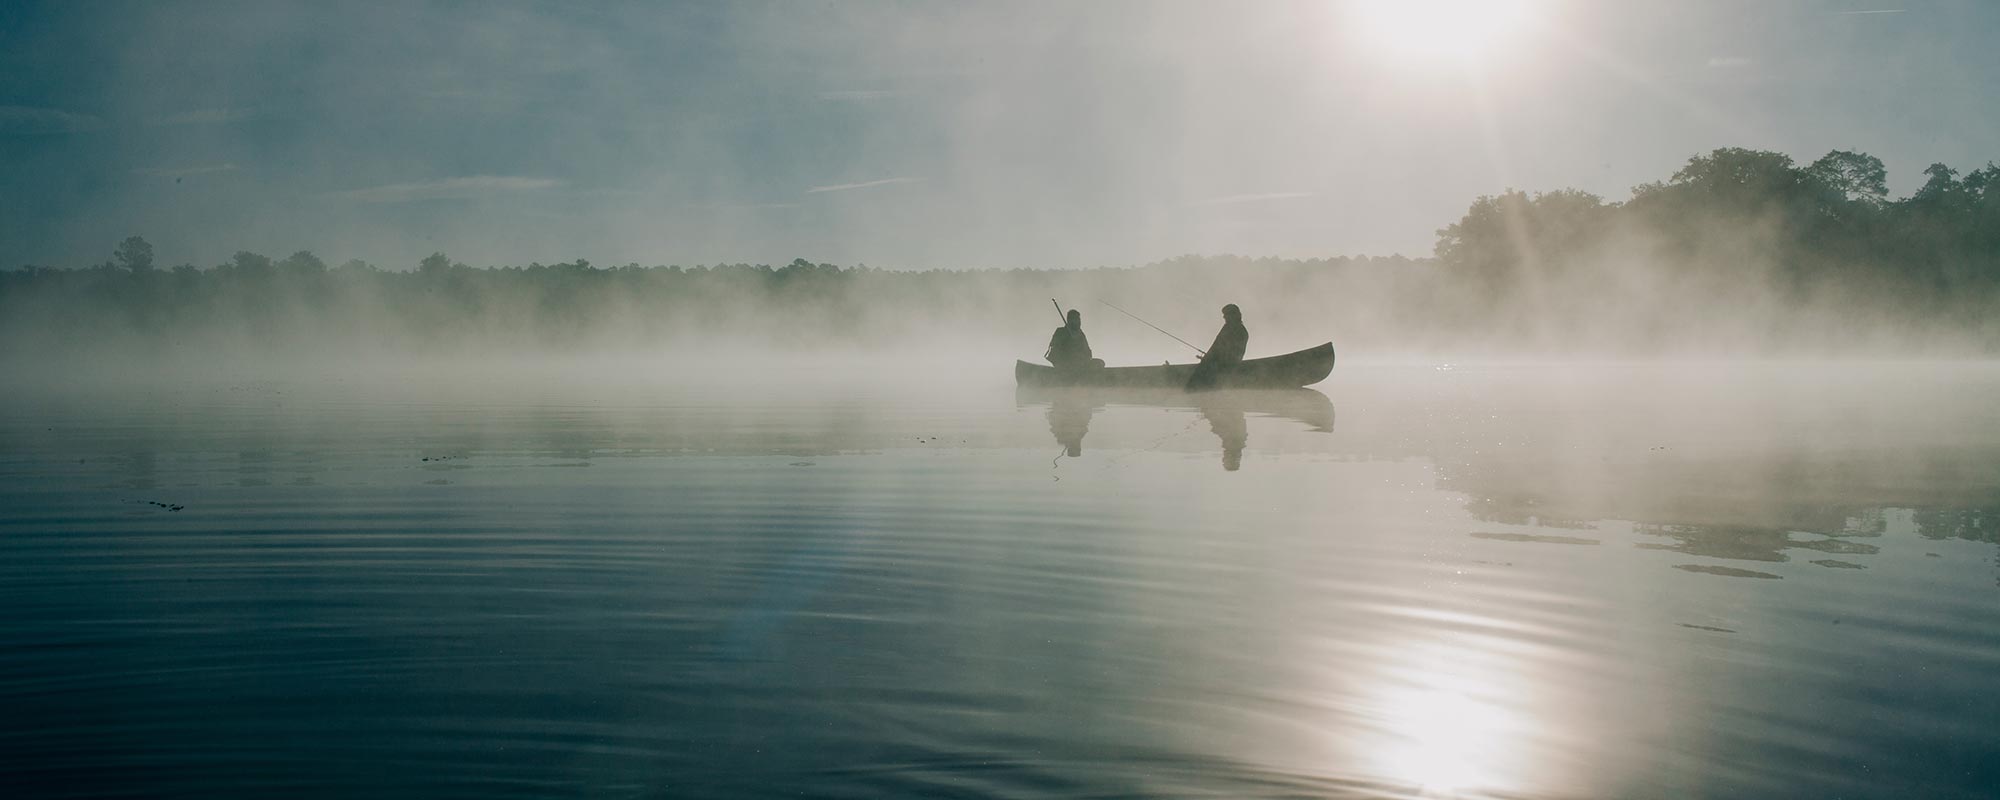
x=1069, y=348
x=1225, y=353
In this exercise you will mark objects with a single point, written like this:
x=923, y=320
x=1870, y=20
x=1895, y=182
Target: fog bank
x=1739, y=254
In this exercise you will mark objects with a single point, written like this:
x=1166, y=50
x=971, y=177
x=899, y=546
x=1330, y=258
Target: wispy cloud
x=182, y=172
x=31, y=121
x=206, y=116
x=842, y=187
x=1727, y=62
x=1233, y=199
x=447, y=189
x=1874, y=11
x=856, y=94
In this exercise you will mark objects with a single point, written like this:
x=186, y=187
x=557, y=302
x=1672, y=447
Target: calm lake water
x=1660, y=581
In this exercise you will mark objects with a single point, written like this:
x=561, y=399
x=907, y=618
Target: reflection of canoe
x=1289, y=371
x=1304, y=405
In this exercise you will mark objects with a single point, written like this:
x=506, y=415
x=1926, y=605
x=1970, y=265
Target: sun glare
x=1444, y=741
x=1457, y=716
x=1442, y=30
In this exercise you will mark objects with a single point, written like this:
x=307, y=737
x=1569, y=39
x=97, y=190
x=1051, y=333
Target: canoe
x=1289, y=371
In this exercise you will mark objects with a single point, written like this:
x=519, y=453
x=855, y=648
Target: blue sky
x=914, y=134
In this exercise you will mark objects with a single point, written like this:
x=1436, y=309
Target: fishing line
x=1155, y=327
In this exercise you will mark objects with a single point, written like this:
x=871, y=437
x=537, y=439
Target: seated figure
x=1069, y=348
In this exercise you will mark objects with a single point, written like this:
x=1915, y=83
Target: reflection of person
x=1228, y=424
x=1069, y=348
x=1069, y=420
x=1225, y=352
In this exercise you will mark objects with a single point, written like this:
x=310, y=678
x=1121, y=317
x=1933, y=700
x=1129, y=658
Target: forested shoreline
x=1740, y=251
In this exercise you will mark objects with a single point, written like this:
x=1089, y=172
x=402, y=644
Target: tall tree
x=435, y=264
x=248, y=264
x=1857, y=176
x=1942, y=184
x=135, y=254
x=302, y=262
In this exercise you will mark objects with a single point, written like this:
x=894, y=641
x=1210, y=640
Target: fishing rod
x=1059, y=311
x=1155, y=327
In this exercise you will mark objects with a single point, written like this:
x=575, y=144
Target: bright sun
x=1462, y=30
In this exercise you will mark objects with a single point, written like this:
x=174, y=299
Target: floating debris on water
x=1706, y=628
x=1727, y=572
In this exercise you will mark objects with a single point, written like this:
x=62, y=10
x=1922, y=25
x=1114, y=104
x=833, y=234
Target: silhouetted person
x=1225, y=353
x=1069, y=348
x=1230, y=342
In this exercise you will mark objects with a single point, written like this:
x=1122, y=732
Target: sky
x=922, y=135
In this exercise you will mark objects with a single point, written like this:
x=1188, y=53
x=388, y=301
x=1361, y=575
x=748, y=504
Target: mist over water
x=1517, y=581
x=1740, y=254
x=662, y=401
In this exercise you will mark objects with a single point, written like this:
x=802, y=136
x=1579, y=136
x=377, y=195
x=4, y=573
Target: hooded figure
x=1069, y=348
x=1225, y=353
x=1231, y=341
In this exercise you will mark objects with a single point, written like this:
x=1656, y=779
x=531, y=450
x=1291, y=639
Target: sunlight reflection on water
x=1475, y=583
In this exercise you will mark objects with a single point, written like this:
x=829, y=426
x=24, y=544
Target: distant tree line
x=1738, y=222
x=1738, y=250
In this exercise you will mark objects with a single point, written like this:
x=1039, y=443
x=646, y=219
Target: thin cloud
x=1727, y=62
x=842, y=187
x=183, y=172
x=206, y=116
x=1233, y=199
x=31, y=121
x=447, y=189
x=1874, y=11
x=856, y=94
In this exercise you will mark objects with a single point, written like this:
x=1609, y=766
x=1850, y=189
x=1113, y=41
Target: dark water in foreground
x=1525, y=582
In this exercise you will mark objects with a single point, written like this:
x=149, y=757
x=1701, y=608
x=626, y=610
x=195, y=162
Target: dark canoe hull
x=1289, y=371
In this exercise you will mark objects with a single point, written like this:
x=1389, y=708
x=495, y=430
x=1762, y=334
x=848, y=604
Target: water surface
x=1667, y=581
